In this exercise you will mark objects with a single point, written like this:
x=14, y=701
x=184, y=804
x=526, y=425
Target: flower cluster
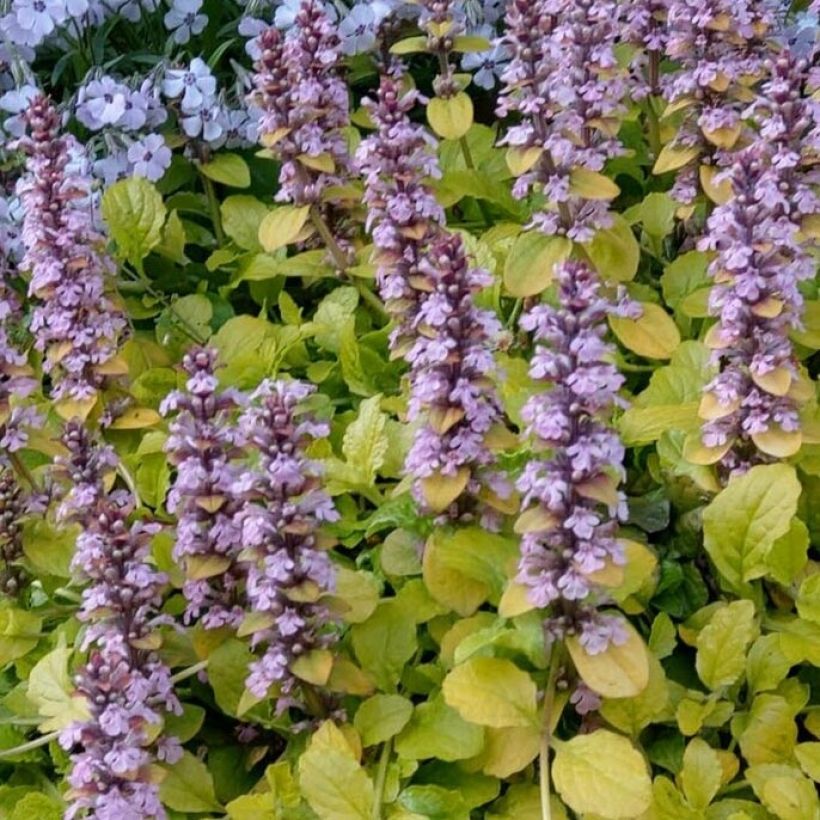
x=451, y=394
x=75, y=324
x=720, y=46
x=304, y=104
x=646, y=27
x=570, y=499
x=125, y=685
x=750, y=408
x=12, y=574
x=202, y=445
x=565, y=82
x=284, y=505
x=403, y=215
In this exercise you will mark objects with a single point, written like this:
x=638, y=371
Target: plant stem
x=343, y=263
x=546, y=732
x=189, y=672
x=468, y=161
x=213, y=206
x=653, y=127
x=381, y=777
x=24, y=471
x=43, y=740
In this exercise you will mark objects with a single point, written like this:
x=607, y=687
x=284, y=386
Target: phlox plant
x=408, y=409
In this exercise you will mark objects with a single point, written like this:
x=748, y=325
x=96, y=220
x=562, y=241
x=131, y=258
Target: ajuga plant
x=124, y=686
x=203, y=445
x=287, y=571
x=409, y=409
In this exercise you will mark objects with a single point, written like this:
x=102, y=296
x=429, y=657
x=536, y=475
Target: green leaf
x=653, y=335
x=385, y=642
x=789, y=553
x=808, y=756
x=531, y=262
x=743, y=522
x=185, y=726
x=603, y=774
x=134, y=213
x=241, y=217
x=409, y=45
x=252, y=807
x=365, y=443
x=50, y=689
x=38, y=806
x=450, y=117
x=332, y=780
x=227, y=671
x=768, y=733
x=188, y=786
x=19, y=633
x=766, y=664
x=434, y=803
x=658, y=214
x=381, y=717
x=615, y=252
x=723, y=642
x=173, y=240
x=784, y=791
x=228, y=169
x=491, y=692
x=436, y=730
x=632, y=714
x=808, y=599
x=683, y=277
x=282, y=226
x=701, y=773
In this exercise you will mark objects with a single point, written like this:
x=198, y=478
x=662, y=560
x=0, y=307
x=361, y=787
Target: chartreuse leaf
x=669, y=804
x=227, y=169
x=365, y=442
x=436, y=730
x=434, y=803
x=522, y=801
x=744, y=520
x=808, y=755
x=603, y=774
x=653, y=335
x=134, y=212
x=808, y=599
x=381, y=717
x=450, y=117
x=19, y=633
x=331, y=779
x=188, y=786
x=491, y=692
x=620, y=671
x=50, y=689
x=507, y=751
x=615, y=252
x=723, y=642
x=632, y=714
x=385, y=642
x=252, y=807
x=784, y=791
x=768, y=733
x=701, y=773
x=241, y=217
x=789, y=553
x=530, y=265
x=766, y=664
x=282, y=226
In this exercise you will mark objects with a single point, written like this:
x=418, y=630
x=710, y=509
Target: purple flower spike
x=451, y=393
x=202, y=444
x=565, y=83
x=571, y=504
x=284, y=506
x=12, y=508
x=403, y=214
x=125, y=684
x=720, y=46
x=76, y=324
x=304, y=104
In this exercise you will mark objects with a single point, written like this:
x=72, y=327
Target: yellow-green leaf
x=491, y=692
x=228, y=169
x=282, y=226
x=654, y=335
x=723, y=642
x=745, y=519
x=592, y=185
x=614, y=251
x=436, y=730
x=620, y=671
x=331, y=779
x=531, y=262
x=450, y=117
x=603, y=774
x=50, y=689
x=671, y=158
x=701, y=773
x=189, y=787
x=135, y=213
x=381, y=717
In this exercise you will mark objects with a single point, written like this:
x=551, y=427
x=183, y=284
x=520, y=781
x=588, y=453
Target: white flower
x=184, y=21
x=150, y=157
x=358, y=30
x=196, y=84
